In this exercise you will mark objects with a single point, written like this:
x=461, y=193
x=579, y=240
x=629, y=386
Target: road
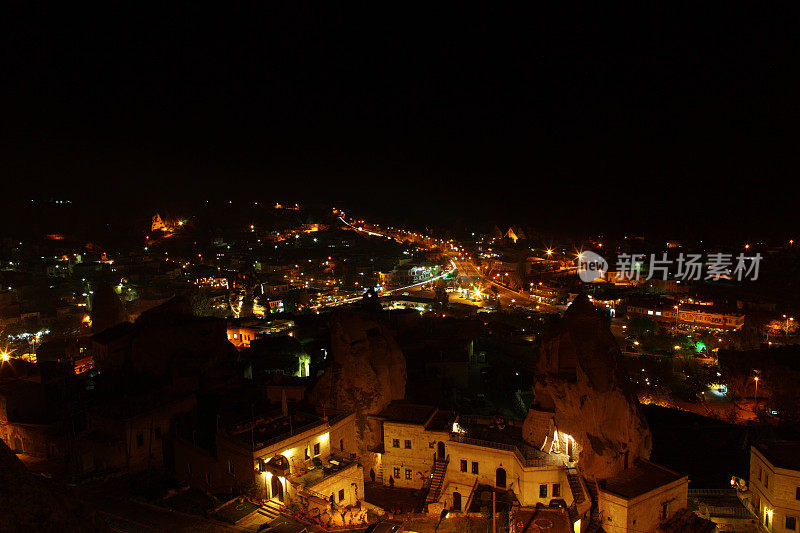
x=506, y=296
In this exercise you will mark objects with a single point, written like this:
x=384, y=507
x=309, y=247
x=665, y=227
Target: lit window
x=397, y=472
x=407, y=444
x=408, y=473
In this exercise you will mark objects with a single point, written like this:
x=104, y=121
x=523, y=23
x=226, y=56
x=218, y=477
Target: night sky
x=656, y=119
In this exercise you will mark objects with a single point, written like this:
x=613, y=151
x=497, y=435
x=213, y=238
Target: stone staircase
x=595, y=520
x=575, y=484
x=437, y=481
x=271, y=509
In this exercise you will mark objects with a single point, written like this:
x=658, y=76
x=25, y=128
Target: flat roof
x=409, y=413
x=784, y=454
x=640, y=478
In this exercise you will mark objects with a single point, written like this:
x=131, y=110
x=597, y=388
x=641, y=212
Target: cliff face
x=30, y=503
x=366, y=373
x=581, y=390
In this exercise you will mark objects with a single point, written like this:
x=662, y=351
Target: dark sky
x=654, y=118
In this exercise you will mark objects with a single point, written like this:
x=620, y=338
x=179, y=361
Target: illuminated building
x=297, y=457
x=690, y=314
x=774, y=496
x=459, y=453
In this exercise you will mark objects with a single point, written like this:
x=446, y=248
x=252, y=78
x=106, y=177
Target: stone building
x=284, y=458
x=775, y=485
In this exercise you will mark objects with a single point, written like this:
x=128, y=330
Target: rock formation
x=366, y=373
x=107, y=309
x=583, y=401
x=170, y=341
x=30, y=503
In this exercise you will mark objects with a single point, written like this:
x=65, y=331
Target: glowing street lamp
x=755, y=397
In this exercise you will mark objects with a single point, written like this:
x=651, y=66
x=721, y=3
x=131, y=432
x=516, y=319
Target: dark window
x=397, y=472
x=474, y=467
x=341, y=495
x=230, y=466
x=759, y=473
x=407, y=445
x=797, y=493
x=408, y=473
x=139, y=440
x=766, y=479
x=316, y=449
x=430, y=445
x=543, y=491
x=341, y=445
x=464, y=467
x=189, y=468
x=791, y=523
x=157, y=433
x=663, y=514
x=556, y=490
x=395, y=443
x=306, y=452
x=208, y=478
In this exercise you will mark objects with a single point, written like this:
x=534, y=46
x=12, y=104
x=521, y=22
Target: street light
x=755, y=397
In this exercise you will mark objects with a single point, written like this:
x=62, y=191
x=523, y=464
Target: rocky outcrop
x=107, y=309
x=30, y=503
x=366, y=373
x=170, y=341
x=582, y=395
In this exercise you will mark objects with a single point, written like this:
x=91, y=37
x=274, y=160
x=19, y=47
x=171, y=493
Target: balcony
x=530, y=457
x=312, y=472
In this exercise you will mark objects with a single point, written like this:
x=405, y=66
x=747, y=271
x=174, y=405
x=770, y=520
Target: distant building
x=673, y=312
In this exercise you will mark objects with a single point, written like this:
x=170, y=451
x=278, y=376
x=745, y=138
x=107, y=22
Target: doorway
x=440, y=450
x=277, y=488
x=456, y=501
x=501, y=478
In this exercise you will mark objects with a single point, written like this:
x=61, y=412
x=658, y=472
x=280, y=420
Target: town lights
x=5, y=356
